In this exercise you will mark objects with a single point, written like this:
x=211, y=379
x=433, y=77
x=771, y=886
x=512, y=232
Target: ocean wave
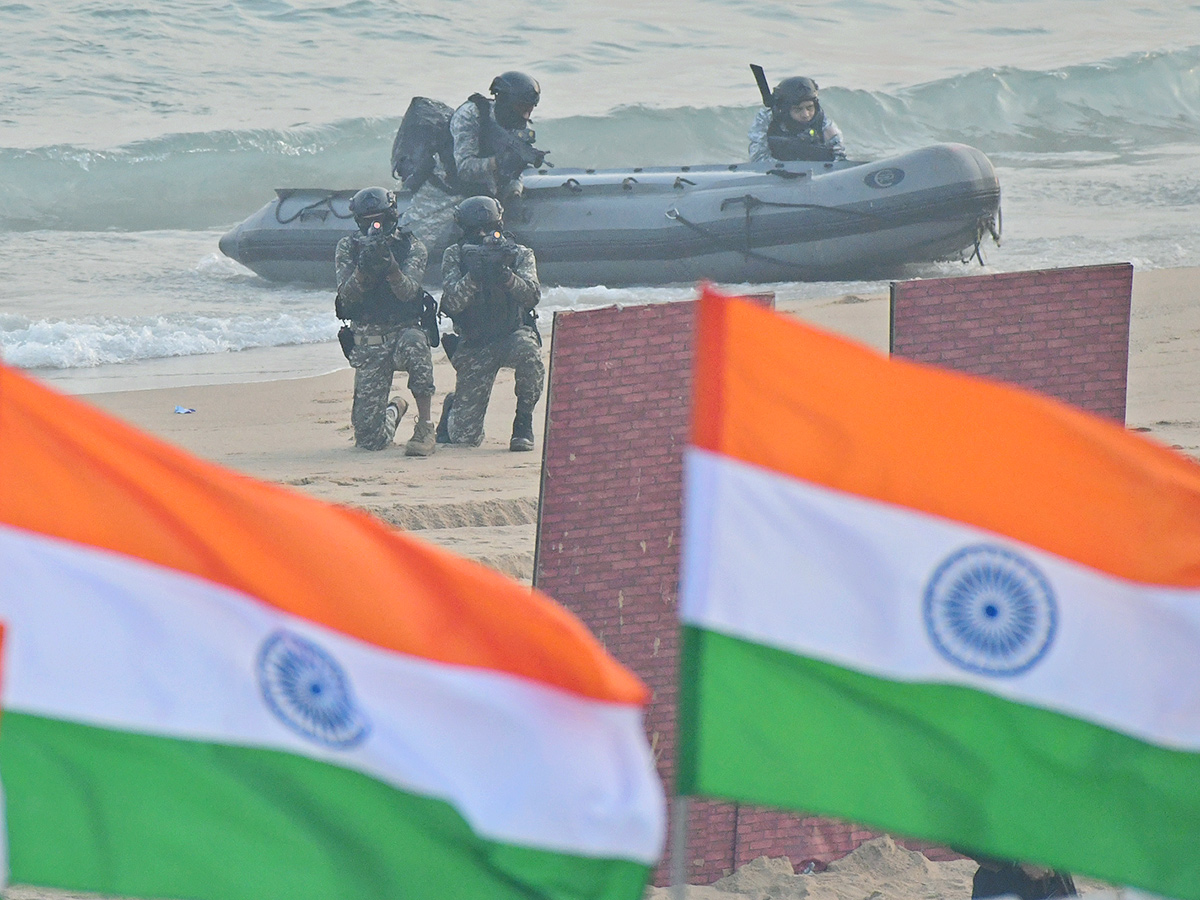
x=1109, y=110
x=99, y=340
x=1115, y=107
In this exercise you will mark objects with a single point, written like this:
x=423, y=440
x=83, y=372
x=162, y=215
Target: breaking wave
x=1110, y=111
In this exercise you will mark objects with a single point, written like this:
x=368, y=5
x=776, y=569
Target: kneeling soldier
x=379, y=272
x=490, y=288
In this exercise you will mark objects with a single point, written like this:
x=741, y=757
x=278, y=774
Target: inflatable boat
x=744, y=222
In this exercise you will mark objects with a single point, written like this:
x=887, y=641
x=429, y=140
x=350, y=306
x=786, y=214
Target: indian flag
x=938, y=605
x=217, y=688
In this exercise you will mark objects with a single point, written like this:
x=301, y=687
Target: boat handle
x=628, y=183
x=680, y=181
x=672, y=214
x=573, y=186
x=307, y=212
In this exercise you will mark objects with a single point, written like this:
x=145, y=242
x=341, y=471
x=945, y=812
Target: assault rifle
x=515, y=151
x=375, y=232
x=760, y=77
x=375, y=249
x=487, y=260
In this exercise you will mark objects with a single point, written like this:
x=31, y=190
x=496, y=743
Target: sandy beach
x=482, y=502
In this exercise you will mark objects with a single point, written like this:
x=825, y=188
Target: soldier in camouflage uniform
x=490, y=289
x=794, y=126
x=430, y=216
x=379, y=275
x=482, y=166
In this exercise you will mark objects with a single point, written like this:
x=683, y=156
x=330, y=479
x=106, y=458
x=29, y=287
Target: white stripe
x=842, y=578
x=105, y=640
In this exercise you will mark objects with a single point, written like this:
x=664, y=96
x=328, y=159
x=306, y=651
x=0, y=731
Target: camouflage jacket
x=484, y=313
x=475, y=162
x=383, y=298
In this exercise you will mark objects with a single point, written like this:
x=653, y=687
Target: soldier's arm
x=468, y=154
x=351, y=279
x=459, y=289
x=833, y=139
x=524, y=287
x=760, y=151
x=404, y=278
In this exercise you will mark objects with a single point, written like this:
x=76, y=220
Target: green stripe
x=942, y=763
x=138, y=816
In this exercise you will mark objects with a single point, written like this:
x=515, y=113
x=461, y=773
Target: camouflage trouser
x=430, y=216
x=476, y=369
x=403, y=350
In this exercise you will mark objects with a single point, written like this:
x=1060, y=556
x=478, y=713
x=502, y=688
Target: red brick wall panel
x=607, y=546
x=1064, y=332
x=616, y=427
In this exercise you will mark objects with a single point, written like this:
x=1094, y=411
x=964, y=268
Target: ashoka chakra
x=308, y=691
x=989, y=610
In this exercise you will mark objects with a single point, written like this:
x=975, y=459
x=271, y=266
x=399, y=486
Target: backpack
x=423, y=138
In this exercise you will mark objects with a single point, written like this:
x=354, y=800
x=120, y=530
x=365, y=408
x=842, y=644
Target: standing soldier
x=490, y=289
x=379, y=273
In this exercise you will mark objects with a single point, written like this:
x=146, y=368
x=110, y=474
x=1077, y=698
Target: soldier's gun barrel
x=515, y=150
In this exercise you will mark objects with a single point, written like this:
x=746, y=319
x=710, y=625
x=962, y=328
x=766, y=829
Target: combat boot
x=522, y=436
x=443, y=428
x=423, y=442
x=393, y=414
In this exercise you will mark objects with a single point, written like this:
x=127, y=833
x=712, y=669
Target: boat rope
x=753, y=202
x=674, y=215
x=992, y=225
x=325, y=201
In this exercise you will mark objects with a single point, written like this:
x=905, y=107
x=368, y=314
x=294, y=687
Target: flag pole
x=679, y=833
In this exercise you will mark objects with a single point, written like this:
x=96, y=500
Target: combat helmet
x=792, y=92
x=478, y=214
x=374, y=204
x=516, y=90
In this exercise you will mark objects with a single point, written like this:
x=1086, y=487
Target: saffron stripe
x=72, y=472
x=776, y=393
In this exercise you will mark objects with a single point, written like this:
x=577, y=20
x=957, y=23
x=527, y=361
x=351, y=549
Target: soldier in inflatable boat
x=479, y=149
x=793, y=126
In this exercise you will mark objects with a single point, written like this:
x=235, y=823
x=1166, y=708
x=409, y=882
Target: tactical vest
x=379, y=305
x=492, y=316
x=489, y=144
x=790, y=140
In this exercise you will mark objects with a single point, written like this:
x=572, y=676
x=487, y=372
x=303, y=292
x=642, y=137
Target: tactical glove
x=376, y=256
